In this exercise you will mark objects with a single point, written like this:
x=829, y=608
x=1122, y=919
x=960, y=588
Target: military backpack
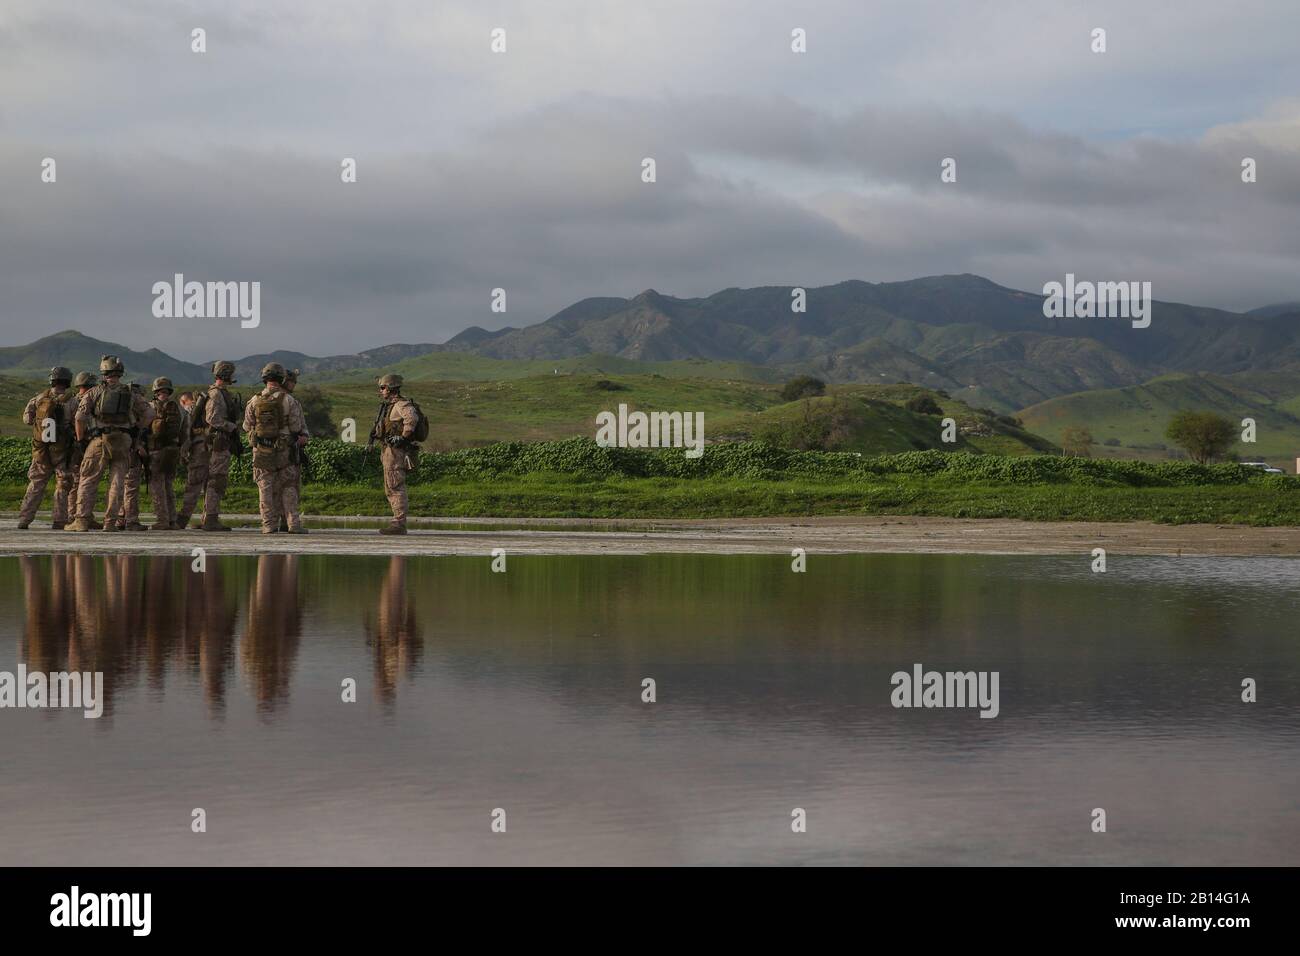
x=50, y=407
x=270, y=448
x=165, y=429
x=421, y=425
x=113, y=406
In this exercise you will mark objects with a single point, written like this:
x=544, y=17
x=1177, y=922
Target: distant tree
x=1077, y=441
x=1111, y=442
x=924, y=404
x=316, y=410
x=802, y=386
x=1204, y=435
x=826, y=427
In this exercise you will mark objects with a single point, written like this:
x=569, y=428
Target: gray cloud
x=477, y=172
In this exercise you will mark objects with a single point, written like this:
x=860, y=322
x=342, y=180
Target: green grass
x=559, y=496
x=577, y=479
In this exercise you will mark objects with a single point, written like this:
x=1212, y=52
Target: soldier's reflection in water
x=270, y=643
x=82, y=622
x=136, y=614
x=161, y=611
x=393, y=633
x=50, y=620
x=208, y=631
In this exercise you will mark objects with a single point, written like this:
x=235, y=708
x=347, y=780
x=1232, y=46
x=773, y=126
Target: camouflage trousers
x=77, y=455
x=395, y=468
x=196, y=476
x=291, y=491
x=131, y=492
x=53, y=462
x=270, y=492
x=162, y=485
x=218, y=476
x=106, y=453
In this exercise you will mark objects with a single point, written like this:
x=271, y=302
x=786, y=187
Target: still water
x=523, y=691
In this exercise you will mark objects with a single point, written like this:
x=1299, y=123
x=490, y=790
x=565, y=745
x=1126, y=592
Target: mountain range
x=957, y=332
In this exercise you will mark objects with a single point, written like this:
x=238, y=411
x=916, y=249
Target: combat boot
x=298, y=530
x=159, y=526
x=79, y=524
x=24, y=525
x=213, y=523
x=113, y=526
x=182, y=521
x=284, y=524
x=57, y=526
x=393, y=529
x=135, y=526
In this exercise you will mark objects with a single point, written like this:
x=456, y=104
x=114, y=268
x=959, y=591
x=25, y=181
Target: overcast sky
x=522, y=170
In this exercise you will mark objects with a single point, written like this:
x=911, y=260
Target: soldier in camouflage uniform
x=83, y=383
x=272, y=419
x=397, y=424
x=50, y=418
x=105, y=415
x=290, y=515
x=216, y=421
x=194, y=452
x=170, y=427
x=139, y=451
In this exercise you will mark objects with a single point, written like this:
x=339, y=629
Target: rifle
x=374, y=432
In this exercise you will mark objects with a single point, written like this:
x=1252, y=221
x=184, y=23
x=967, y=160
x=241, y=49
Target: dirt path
x=732, y=536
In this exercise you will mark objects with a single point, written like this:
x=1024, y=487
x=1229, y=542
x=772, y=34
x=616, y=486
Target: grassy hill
x=1137, y=416
x=469, y=412
x=464, y=366
x=874, y=420
x=81, y=352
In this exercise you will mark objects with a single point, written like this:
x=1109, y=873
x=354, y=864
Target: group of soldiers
x=83, y=427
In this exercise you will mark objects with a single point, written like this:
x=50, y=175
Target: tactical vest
x=388, y=425
x=113, y=405
x=165, y=429
x=268, y=418
x=394, y=426
x=50, y=406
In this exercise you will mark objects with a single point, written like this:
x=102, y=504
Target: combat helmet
x=224, y=369
x=291, y=375
x=60, y=374
x=392, y=380
x=111, y=365
x=273, y=372
x=86, y=379
x=160, y=383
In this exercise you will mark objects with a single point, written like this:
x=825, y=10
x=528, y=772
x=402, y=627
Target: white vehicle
x=1265, y=467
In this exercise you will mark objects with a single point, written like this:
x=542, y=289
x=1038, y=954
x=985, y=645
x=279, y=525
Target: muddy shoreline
x=826, y=535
